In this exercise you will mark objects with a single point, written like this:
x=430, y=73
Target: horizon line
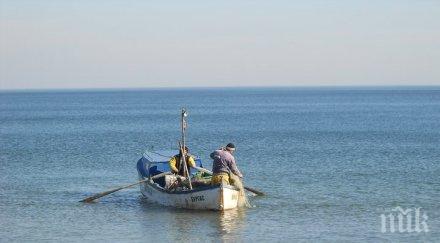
x=365, y=86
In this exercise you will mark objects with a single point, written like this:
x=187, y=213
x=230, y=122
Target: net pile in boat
x=242, y=198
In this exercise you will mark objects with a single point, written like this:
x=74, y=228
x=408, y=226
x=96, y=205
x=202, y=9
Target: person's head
x=186, y=150
x=230, y=148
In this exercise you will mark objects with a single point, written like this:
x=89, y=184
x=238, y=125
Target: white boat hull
x=221, y=197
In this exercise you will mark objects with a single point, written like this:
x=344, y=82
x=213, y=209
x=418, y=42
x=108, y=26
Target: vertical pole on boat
x=182, y=147
x=183, y=126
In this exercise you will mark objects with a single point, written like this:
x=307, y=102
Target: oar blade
x=99, y=195
x=259, y=193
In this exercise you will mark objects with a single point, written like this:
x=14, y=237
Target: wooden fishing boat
x=192, y=191
x=201, y=196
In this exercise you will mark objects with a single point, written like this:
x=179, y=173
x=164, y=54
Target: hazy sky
x=108, y=44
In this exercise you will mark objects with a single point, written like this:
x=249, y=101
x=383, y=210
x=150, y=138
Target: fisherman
x=223, y=164
x=175, y=163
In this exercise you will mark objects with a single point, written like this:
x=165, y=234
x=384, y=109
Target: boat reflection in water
x=224, y=225
x=187, y=225
x=231, y=223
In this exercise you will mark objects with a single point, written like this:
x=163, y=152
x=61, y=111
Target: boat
x=201, y=196
x=190, y=188
x=192, y=191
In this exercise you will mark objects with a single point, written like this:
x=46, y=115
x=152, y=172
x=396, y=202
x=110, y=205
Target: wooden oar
x=101, y=194
x=259, y=193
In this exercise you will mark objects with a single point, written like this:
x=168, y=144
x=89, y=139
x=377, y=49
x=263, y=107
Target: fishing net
x=242, y=197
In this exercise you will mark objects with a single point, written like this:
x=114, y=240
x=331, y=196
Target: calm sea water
x=331, y=161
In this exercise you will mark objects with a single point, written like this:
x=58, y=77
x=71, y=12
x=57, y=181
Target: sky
x=210, y=43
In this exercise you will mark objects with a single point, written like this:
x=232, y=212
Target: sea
x=337, y=164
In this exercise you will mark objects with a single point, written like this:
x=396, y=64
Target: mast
x=183, y=126
x=182, y=147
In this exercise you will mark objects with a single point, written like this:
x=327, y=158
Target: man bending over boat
x=175, y=163
x=223, y=164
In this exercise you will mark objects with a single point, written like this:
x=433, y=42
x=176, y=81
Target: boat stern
x=228, y=197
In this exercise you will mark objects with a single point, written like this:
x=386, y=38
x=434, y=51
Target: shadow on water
x=197, y=225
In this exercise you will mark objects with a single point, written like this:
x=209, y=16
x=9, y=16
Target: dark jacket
x=224, y=162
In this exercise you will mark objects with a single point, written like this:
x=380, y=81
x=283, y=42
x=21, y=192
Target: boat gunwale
x=204, y=188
